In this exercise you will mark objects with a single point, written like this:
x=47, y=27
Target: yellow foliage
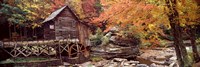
x=77, y=7
x=188, y=12
x=35, y=9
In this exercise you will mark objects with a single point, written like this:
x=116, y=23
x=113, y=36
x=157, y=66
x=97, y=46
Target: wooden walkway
x=70, y=47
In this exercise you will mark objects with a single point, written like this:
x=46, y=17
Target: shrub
x=96, y=38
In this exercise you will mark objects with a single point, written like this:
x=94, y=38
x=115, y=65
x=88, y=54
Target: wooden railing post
x=59, y=50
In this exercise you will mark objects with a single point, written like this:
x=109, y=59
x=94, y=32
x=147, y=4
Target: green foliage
x=99, y=38
x=96, y=38
x=198, y=48
x=13, y=14
x=31, y=11
x=130, y=32
x=198, y=40
x=198, y=44
x=190, y=55
x=105, y=39
x=145, y=45
x=96, y=58
x=21, y=60
x=77, y=5
x=7, y=61
x=163, y=43
x=98, y=6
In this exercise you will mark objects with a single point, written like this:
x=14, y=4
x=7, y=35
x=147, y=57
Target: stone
x=134, y=62
x=173, y=64
x=126, y=63
x=131, y=63
x=169, y=50
x=160, y=58
x=61, y=66
x=142, y=65
x=153, y=65
x=101, y=63
x=90, y=65
x=173, y=58
x=65, y=63
x=157, y=62
x=86, y=64
x=168, y=56
x=111, y=65
x=189, y=48
x=119, y=59
x=112, y=38
x=114, y=51
x=112, y=46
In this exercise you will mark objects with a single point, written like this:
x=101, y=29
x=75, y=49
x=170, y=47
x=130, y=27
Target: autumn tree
x=181, y=14
x=177, y=30
x=76, y=5
x=84, y=9
x=132, y=15
x=55, y=4
x=37, y=10
x=89, y=8
x=189, y=19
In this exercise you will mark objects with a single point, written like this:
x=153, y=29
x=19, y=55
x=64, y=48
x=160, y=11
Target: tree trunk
x=181, y=52
x=178, y=36
x=193, y=43
x=176, y=45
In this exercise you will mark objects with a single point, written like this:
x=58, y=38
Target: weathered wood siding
x=84, y=33
x=67, y=26
x=49, y=33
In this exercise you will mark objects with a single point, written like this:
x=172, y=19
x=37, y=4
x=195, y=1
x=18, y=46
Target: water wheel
x=75, y=53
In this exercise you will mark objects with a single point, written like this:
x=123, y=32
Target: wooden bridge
x=68, y=48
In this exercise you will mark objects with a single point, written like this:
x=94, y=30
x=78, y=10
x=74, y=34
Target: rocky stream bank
x=158, y=57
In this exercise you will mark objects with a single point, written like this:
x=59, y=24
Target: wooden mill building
x=64, y=24
x=60, y=31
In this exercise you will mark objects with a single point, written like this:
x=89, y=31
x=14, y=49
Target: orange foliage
x=56, y=4
x=130, y=12
x=88, y=8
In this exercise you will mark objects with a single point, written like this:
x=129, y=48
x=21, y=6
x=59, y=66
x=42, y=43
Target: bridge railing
x=43, y=48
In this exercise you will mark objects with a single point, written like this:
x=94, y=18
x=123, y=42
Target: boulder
x=119, y=59
x=161, y=58
x=134, y=62
x=153, y=65
x=112, y=64
x=126, y=41
x=115, y=52
x=101, y=63
x=120, y=48
x=142, y=65
x=86, y=64
x=131, y=63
